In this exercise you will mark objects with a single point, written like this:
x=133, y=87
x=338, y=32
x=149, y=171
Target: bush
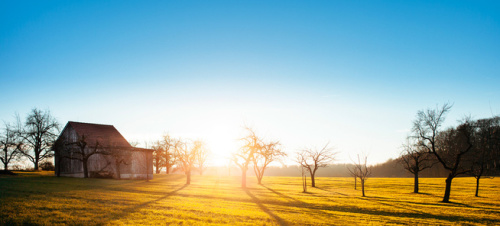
x=47, y=166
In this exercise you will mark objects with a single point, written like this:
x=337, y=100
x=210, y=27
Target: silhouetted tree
x=415, y=159
x=10, y=146
x=313, y=159
x=448, y=147
x=266, y=154
x=119, y=156
x=80, y=150
x=486, y=150
x=202, y=156
x=39, y=132
x=361, y=170
x=168, y=145
x=354, y=174
x=158, y=156
x=244, y=156
x=304, y=179
x=187, y=156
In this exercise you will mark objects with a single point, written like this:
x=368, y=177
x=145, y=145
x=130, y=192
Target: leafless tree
x=361, y=170
x=10, y=146
x=202, y=156
x=119, y=156
x=169, y=143
x=244, y=156
x=304, y=179
x=186, y=154
x=81, y=150
x=415, y=159
x=353, y=174
x=313, y=159
x=448, y=147
x=265, y=155
x=39, y=132
x=487, y=149
x=158, y=156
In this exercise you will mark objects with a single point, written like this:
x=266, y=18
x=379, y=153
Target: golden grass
x=39, y=198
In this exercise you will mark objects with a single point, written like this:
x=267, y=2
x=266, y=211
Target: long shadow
x=135, y=208
x=280, y=194
x=449, y=204
x=278, y=219
x=331, y=191
x=312, y=207
x=351, y=209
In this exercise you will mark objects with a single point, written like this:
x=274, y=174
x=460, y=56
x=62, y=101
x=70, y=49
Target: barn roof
x=104, y=134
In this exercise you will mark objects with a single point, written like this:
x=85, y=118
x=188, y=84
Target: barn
x=97, y=150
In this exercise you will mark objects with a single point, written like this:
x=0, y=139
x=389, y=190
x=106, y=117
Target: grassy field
x=41, y=198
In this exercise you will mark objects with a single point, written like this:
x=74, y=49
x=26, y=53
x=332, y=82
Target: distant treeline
x=390, y=168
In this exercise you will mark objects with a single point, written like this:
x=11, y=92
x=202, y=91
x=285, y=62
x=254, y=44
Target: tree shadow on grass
x=283, y=195
x=135, y=208
x=338, y=193
x=257, y=201
x=382, y=201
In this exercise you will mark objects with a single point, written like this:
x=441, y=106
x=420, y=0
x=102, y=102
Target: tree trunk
x=85, y=169
x=313, y=183
x=158, y=169
x=167, y=169
x=36, y=163
x=477, y=186
x=188, y=177
x=415, y=186
x=447, y=191
x=5, y=166
x=37, y=157
x=355, y=183
x=363, y=187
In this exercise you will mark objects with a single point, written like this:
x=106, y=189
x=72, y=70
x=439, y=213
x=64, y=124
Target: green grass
x=40, y=198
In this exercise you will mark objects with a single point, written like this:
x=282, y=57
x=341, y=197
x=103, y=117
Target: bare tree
x=415, y=159
x=10, y=146
x=485, y=153
x=448, y=147
x=313, y=159
x=187, y=156
x=80, y=150
x=244, y=156
x=169, y=143
x=304, y=179
x=353, y=174
x=120, y=156
x=361, y=170
x=39, y=132
x=202, y=156
x=265, y=155
x=158, y=156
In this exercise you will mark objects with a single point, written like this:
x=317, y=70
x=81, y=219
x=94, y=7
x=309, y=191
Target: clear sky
x=353, y=73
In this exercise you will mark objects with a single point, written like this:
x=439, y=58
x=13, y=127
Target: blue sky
x=350, y=72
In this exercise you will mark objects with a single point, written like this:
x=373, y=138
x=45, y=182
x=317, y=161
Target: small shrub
x=47, y=166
